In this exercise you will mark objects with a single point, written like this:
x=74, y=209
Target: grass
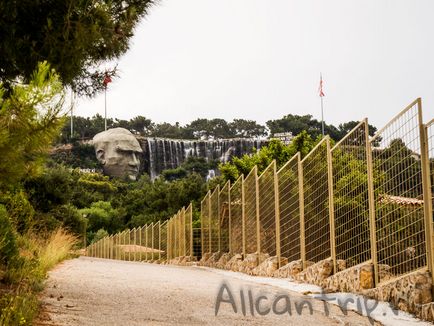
x=25, y=277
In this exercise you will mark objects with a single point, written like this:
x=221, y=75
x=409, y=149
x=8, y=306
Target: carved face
x=119, y=153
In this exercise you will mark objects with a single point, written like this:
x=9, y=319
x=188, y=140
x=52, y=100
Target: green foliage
x=30, y=118
x=52, y=188
x=86, y=128
x=275, y=150
x=101, y=215
x=100, y=234
x=71, y=218
x=75, y=37
x=191, y=165
x=76, y=155
x=21, y=212
x=8, y=244
x=297, y=124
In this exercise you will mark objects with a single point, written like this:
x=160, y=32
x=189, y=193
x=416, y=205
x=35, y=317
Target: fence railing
x=158, y=241
x=363, y=199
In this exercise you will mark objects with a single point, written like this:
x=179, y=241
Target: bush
x=8, y=243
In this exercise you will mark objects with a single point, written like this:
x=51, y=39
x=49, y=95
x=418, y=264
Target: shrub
x=8, y=244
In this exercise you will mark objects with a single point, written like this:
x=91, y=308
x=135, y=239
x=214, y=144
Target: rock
x=233, y=262
x=316, y=273
x=213, y=259
x=224, y=259
x=204, y=258
x=354, y=279
x=289, y=270
x=268, y=266
x=409, y=293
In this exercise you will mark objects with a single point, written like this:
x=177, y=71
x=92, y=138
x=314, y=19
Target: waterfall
x=161, y=153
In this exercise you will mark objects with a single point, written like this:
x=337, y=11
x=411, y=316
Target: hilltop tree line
x=86, y=128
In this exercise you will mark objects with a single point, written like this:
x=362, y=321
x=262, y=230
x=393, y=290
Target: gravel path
x=89, y=291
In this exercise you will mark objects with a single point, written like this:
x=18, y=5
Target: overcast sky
x=260, y=60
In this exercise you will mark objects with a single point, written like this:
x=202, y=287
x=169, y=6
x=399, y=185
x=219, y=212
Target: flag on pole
x=107, y=79
x=320, y=90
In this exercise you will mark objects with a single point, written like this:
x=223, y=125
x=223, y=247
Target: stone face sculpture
x=119, y=153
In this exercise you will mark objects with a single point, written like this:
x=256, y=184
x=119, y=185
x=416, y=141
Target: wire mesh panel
x=351, y=200
x=142, y=241
x=197, y=243
x=182, y=232
x=149, y=249
x=204, y=220
x=188, y=232
x=236, y=219
x=267, y=210
x=289, y=203
x=224, y=217
x=399, y=210
x=172, y=238
x=163, y=241
x=316, y=198
x=250, y=210
x=169, y=239
x=155, y=241
x=214, y=221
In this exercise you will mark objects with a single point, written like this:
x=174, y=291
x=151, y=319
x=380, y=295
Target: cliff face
x=160, y=154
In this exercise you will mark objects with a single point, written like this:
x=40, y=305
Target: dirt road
x=89, y=291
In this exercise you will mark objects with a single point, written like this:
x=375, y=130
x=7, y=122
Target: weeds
x=25, y=276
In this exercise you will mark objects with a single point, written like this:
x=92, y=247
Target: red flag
x=107, y=79
x=320, y=91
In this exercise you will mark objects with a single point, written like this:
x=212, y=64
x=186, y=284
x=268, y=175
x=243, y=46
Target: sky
x=261, y=60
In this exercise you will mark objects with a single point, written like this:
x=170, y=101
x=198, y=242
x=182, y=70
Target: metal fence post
x=184, y=233
x=371, y=205
x=277, y=212
x=427, y=192
x=331, y=206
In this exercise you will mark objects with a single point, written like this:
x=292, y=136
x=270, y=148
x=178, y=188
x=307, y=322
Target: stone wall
x=408, y=293
x=411, y=293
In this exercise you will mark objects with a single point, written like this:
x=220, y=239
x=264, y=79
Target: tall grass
x=37, y=255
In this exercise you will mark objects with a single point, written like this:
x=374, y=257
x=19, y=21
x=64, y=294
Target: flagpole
x=105, y=107
x=321, y=95
x=322, y=116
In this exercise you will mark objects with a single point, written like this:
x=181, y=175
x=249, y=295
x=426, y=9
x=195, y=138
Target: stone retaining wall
x=411, y=293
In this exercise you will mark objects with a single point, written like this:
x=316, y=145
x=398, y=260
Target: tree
x=74, y=36
x=247, y=128
x=168, y=130
x=296, y=124
x=141, y=125
x=214, y=128
x=275, y=150
x=30, y=118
